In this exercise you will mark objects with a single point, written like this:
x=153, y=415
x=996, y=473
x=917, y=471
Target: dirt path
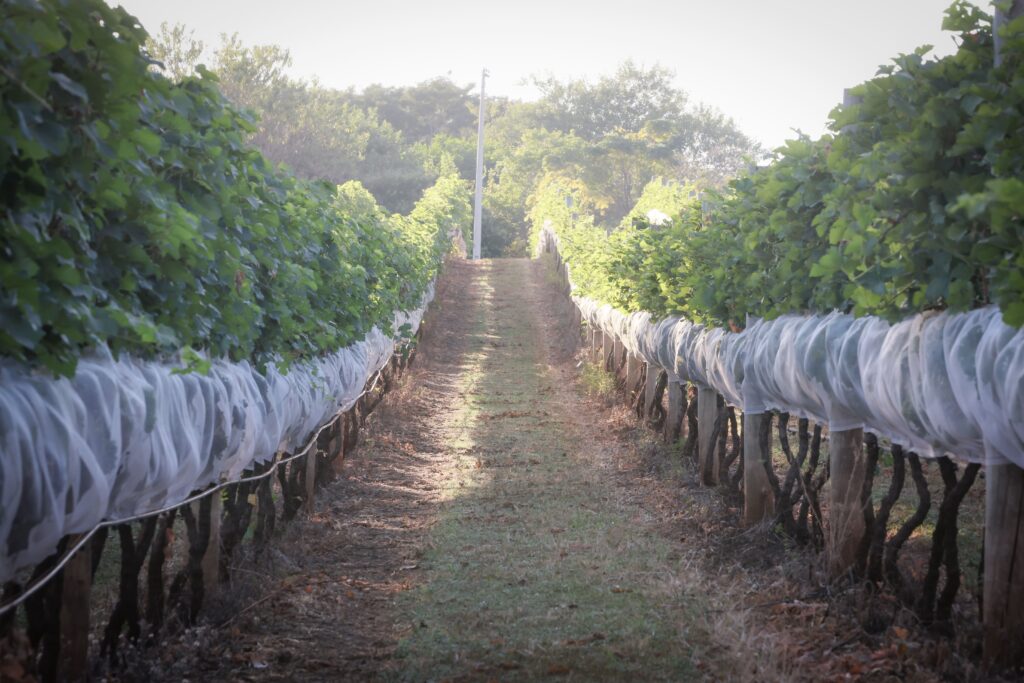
x=505, y=518
x=480, y=532
x=536, y=566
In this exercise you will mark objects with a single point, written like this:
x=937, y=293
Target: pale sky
x=772, y=65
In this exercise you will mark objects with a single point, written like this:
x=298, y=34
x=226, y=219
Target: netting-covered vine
x=174, y=310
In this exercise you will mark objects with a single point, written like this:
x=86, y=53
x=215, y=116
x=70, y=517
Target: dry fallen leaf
x=558, y=670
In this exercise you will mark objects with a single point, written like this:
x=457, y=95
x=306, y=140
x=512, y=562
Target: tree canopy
x=615, y=134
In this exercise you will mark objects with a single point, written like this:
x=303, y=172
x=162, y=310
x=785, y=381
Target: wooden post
x=758, y=499
x=607, y=349
x=617, y=349
x=74, y=614
x=310, y=480
x=595, y=345
x=633, y=365
x=1001, y=18
x=707, y=414
x=338, y=445
x=1003, y=616
x=846, y=512
x=1003, y=591
x=676, y=408
x=211, y=557
x=649, y=387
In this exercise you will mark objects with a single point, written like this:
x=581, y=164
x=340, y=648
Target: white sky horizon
x=771, y=65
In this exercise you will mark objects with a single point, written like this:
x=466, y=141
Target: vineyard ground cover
x=821, y=629
x=505, y=519
x=540, y=566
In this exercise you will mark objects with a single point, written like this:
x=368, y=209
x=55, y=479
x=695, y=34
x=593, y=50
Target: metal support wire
x=40, y=582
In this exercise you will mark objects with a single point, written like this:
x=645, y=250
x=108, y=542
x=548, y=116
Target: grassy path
x=504, y=518
x=536, y=566
x=493, y=524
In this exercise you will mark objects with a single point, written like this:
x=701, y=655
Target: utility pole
x=478, y=204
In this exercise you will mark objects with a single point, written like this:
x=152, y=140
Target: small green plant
x=596, y=381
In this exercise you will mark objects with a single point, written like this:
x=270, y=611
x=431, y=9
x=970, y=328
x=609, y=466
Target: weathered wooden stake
x=74, y=614
x=211, y=558
x=607, y=349
x=310, y=480
x=1013, y=9
x=707, y=414
x=846, y=511
x=1003, y=616
x=1003, y=584
x=338, y=446
x=617, y=349
x=650, y=386
x=633, y=365
x=676, y=407
x=758, y=499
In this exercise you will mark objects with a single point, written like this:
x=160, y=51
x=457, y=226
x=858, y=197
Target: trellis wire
x=40, y=582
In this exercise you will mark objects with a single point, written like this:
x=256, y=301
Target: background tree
x=614, y=134
x=712, y=150
x=176, y=49
x=423, y=111
x=320, y=132
x=623, y=102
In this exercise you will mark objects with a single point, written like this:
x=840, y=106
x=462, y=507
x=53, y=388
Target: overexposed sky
x=772, y=65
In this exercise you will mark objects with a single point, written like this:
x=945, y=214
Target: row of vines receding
x=913, y=554
x=132, y=585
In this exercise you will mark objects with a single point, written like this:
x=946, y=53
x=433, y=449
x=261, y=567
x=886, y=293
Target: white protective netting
x=124, y=437
x=936, y=383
